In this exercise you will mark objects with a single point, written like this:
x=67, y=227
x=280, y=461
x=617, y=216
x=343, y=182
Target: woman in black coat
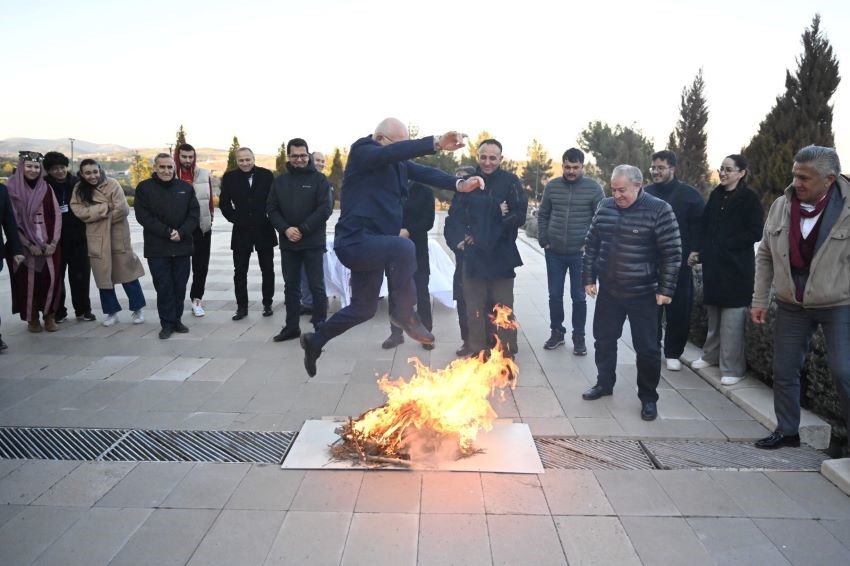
x=731, y=225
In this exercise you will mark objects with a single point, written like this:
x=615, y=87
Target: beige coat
x=108, y=234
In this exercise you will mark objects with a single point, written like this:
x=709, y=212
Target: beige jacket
x=203, y=192
x=108, y=235
x=829, y=276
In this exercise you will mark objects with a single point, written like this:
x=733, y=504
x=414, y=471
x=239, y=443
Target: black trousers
x=313, y=263
x=75, y=260
x=241, y=259
x=170, y=275
x=201, y=243
x=677, y=315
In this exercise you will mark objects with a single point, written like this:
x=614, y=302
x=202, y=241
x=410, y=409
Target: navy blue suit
x=374, y=188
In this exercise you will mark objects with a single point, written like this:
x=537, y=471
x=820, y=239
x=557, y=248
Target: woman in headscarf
x=35, y=282
x=100, y=202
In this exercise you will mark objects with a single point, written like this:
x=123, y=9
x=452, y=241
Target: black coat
x=9, y=226
x=300, y=198
x=633, y=251
x=244, y=206
x=162, y=207
x=731, y=225
x=418, y=219
x=687, y=205
x=73, y=229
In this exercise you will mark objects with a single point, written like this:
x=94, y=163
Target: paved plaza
x=226, y=375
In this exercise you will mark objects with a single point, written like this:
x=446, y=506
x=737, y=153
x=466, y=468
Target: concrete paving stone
x=735, y=541
x=146, y=486
x=513, y=494
x=840, y=529
x=124, y=418
x=239, y=537
x=741, y=430
x=676, y=406
x=69, y=365
x=389, y=492
x=453, y=539
x=837, y=471
x=310, y=538
x=665, y=541
x=358, y=398
x=219, y=369
x=685, y=380
x=532, y=375
x=258, y=421
x=595, y=540
x=757, y=495
x=635, y=492
x=272, y=397
x=796, y=539
x=574, y=492
x=7, y=512
x=167, y=537
x=326, y=490
x=95, y=538
x=87, y=483
x=369, y=371
x=32, y=478
x=26, y=535
x=322, y=398
x=179, y=369
x=597, y=427
x=31, y=364
x=188, y=396
x=550, y=426
x=537, y=402
x=714, y=405
x=9, y=466
x=204, y=420
x=576, y=407
x=504, y=405
x=758, y=402
x=814, y=493
x=524, y=539
x=232, y=396
x=385, y=538
x=23, y=415
x=206, y=486
x=140, y=369
x=452, y=492
x=144, y=396
x=69, y=418
x=664, y=428
x=695, y=494
x=104, y=367
x=53, y=394
x=97, y=397
x=266, y=487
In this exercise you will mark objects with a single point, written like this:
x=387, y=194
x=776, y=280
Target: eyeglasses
x=727, y=169
x=658, y=168
x=294, y=156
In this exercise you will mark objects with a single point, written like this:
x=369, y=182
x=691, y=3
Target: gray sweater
x=565, y=213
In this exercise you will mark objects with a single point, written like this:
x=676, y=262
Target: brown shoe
x=34, y=325
x=50, y=323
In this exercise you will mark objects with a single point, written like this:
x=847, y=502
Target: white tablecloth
x=440, y=285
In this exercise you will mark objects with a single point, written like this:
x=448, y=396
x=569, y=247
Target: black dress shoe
x=267, y=310
x=240, y=314
x=649, y=411
x=414, y=328
x=180, y=328
x=3, y=345
x=165, y=333
x=428, y=347
x=393, y=341
x=287, y=333
x=778, y=440
x=594, y=393
x=464, y=350
x=311, y=353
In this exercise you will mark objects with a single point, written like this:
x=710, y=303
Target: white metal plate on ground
x=508, y=448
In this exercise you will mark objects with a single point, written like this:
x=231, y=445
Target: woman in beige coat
x=100, y=203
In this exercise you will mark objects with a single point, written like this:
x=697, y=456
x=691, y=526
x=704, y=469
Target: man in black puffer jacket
x=298, y=207
x=633, y=247
x=168, y=211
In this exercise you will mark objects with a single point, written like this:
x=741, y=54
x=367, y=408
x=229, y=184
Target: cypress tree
x=231, y=154
x=689, y=139
x=280, y=160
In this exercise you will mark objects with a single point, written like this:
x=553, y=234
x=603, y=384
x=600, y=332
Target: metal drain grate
x=145, y=445
x=681, y=454
x=588, y=454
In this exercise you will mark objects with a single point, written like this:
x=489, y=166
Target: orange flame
x=502, y=317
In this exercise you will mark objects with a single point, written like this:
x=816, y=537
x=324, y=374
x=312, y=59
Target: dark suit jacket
x=244, y=206
x=374, y=187
x=7, y=219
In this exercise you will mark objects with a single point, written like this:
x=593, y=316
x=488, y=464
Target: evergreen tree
x=801, y=116
x=181, y=137
x=510, y=166
x=537, y=170
x=689, y=140
x=615, y=146
x=231, y=154
x=140, y=169
x=280, y=160
x=337, y=169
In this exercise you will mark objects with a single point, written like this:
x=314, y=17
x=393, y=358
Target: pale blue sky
x=329, y=71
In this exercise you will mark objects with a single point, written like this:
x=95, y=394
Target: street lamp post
x=72, y=140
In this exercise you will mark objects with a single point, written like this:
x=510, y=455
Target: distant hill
x=11, y=146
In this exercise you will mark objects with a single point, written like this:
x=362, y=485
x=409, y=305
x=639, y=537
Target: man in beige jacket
x=805, y=255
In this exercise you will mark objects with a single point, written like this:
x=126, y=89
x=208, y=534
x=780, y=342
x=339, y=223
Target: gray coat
x=565, y=213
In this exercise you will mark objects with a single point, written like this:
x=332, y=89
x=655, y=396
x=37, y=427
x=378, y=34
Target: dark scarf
x=795, y=235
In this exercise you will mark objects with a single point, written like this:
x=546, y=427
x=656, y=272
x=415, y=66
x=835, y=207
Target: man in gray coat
x=566, y=210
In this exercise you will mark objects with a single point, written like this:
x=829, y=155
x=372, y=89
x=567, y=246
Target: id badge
x=63, y=208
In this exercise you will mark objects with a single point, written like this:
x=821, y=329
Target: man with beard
x=167, y=209
x=244, y=192
x=200, y=180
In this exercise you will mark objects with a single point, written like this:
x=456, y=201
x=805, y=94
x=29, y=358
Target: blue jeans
x=133, y=290
x=608, y=320
x=557, y=266
x=792, y=332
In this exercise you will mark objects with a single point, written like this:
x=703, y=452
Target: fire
x=433, y=407
x=501, y=317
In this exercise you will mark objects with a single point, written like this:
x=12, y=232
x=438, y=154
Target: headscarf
x=26, y=201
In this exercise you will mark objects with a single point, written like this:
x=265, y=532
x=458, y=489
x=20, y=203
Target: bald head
x=390, y=130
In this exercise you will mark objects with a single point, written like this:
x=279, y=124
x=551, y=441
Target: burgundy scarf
x=795, y=235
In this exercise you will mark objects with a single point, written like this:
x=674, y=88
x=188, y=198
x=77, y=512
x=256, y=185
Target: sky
x=329, y=71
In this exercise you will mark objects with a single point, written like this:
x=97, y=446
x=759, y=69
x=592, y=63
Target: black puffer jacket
x=633, y=251
x=300, y=198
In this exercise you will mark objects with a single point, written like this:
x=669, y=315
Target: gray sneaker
x=555, y=340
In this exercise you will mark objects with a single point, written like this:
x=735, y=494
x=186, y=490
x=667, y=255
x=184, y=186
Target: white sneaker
x=138, y=316
x=197, y=309
x=673, y=364
x=730, y=380
x=700, y=363
x=110, y=319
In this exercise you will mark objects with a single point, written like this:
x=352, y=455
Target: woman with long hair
x=36, y=287
x=99, y=201
x=731, y=225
